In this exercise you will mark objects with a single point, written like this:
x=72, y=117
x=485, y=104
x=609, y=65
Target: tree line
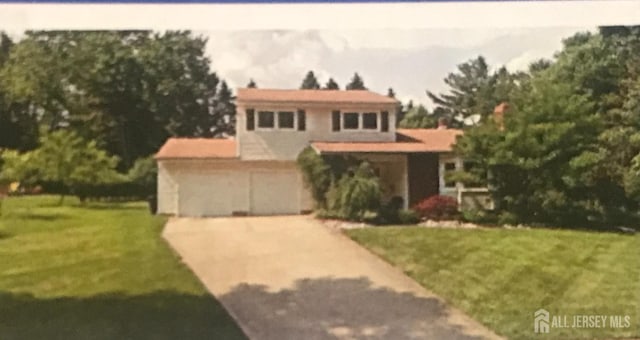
x=567, y=152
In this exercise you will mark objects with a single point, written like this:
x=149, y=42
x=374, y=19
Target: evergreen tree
x=310, y=82
x=356, y=83
x=391, y=93
x=223, y=113
x=252, y=84
x=418, y=118
x=331, y=85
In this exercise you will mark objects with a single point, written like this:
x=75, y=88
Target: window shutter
x=251, y=119
x=335, y=121
x=302, y=120
x=384, y=124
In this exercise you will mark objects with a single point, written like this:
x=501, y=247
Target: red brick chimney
x=498, y=114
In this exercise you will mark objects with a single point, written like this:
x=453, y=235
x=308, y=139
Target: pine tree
x=331, y=85
x=356, y=83
x=391, y=93
x=310, y=82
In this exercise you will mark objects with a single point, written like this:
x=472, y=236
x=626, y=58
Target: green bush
x=355, y=193
x=479, y=216
x=316, y=174
x=408, y=216
x=506, y=217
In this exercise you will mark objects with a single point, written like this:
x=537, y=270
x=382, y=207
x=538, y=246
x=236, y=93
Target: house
x=255, y=173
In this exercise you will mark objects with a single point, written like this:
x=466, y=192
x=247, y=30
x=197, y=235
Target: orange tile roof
x=408, y=141
x=435, y=139
x=197, y=148
x=312, y=96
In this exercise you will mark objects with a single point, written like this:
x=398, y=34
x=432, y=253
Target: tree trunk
x=61, y=201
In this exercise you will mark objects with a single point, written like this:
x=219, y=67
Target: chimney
x=442, y=123
x=498, y=114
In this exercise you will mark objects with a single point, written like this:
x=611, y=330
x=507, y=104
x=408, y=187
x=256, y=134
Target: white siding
x=275, y=144
x=167, y=191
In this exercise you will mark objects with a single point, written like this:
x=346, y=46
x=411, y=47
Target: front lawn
x=100, y=271
x=501, y=277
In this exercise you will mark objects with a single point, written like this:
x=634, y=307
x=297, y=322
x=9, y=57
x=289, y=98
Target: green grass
x=501, y=277
x=100, y=271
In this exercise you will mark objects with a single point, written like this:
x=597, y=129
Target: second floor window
x=370, y=121
x=266, y=119
x=285, y=120
x=350, y=121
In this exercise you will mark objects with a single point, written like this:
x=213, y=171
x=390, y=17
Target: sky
x=409, y=61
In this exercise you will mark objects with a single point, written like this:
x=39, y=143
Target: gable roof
x=197, y=148
x=312, y=96
x=407, y=141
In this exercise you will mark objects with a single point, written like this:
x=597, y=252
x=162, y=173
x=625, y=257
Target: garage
x=206, y=194
x=274, y=192
x=204, y=178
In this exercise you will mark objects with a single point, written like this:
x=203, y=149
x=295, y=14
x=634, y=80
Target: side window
x=384, y=121
x=449, y=167
x=350, y=121
x=251, y=119
x=285, y=120
x=266, y=119
x=302, y=120
x=370, y=121
x=335, y=121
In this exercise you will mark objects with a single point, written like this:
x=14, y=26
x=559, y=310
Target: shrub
x=479, y=216
x=437, y=208
x=507, y=218
x=355, y=193
x=316, y=174
x=408, y=216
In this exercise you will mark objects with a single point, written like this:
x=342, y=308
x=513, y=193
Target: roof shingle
x=197, y=148
x=408, y=141
x=312, y=96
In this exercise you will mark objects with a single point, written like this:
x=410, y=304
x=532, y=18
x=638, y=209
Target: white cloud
x=410, y=61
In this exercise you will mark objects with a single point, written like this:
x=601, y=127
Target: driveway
x=290, y=277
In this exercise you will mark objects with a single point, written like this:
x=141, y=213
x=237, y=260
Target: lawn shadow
x=4, y=235
x=159, y=315
x=42, y=216
x=345, y=308
x=110, y=206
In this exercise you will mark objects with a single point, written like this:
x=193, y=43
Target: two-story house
x=255, y=173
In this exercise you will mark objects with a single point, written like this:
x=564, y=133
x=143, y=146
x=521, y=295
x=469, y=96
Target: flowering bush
x=437, y=208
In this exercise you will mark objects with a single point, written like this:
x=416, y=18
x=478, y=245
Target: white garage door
x=275, y=192
x=206, y=194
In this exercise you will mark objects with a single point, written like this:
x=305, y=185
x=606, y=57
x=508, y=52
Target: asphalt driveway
x=290, y=277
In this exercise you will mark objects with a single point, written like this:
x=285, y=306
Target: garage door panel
x=274, y=192
x=206, y=194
